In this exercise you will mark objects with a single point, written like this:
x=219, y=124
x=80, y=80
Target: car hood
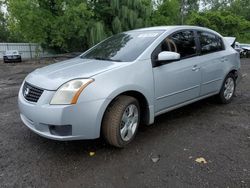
x=53, y=76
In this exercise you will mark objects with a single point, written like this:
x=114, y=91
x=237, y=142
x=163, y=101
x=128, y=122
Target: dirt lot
x=218, y=133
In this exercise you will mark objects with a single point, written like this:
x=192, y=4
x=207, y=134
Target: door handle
x=195, y=68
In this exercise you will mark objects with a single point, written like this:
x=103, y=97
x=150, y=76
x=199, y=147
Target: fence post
x=30, y=51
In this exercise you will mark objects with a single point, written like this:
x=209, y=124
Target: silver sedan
x=127, y=80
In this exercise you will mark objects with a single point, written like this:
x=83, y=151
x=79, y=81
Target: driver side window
x=182, y=42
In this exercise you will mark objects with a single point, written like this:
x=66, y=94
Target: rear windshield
x=123, y=47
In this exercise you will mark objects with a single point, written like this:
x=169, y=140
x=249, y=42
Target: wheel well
x=235, y=73
x=142, y=102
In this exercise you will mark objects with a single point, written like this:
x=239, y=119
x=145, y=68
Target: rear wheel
x=228, y=89
x=121, y=121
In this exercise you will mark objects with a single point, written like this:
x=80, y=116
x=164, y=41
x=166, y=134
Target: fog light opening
x=62, y=130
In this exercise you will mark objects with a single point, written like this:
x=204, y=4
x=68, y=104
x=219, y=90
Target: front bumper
x=12, y=59
x=62, y=122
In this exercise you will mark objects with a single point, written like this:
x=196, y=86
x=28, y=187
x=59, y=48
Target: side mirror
x=168, y=56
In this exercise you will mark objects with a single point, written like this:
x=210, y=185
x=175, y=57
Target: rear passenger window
x=210, y=42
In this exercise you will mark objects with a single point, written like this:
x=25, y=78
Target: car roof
x=171, y=27
x=176, y=27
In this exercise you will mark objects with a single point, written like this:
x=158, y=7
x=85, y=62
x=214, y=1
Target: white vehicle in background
x=12, y=56
x=246, y=49
x=238, y=48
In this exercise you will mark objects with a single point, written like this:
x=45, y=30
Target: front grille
x=31, y=93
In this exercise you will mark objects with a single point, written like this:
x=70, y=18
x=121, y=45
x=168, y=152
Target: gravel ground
x=218, y=133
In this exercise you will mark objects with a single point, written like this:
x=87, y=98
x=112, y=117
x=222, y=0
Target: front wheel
x=228, y=89
x=121, y=121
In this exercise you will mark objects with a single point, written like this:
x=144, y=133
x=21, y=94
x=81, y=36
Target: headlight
x=69, y=92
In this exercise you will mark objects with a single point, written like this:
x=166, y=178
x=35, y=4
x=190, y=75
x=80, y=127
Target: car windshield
x=123, y=47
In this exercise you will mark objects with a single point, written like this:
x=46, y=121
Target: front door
x=178, y=81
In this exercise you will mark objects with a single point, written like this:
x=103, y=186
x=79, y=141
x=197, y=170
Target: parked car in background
x=128, y=79
x=246, y=49
x=238, y=48
x=12, y=56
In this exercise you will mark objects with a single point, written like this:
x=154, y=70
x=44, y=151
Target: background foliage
x=75, y=25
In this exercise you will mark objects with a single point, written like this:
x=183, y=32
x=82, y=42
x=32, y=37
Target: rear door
x=178, y=81
x=213, y=57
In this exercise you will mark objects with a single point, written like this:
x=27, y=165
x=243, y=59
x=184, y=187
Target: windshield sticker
x=147, y=35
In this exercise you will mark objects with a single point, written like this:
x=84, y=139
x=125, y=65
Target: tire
x=114, y=129
x=224, y=96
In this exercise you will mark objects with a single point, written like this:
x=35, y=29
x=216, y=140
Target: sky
x=4, y=8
